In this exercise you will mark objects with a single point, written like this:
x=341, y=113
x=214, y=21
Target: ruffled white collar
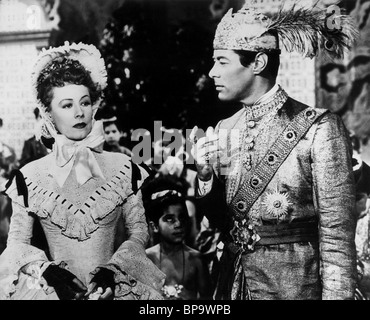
x=71, y=154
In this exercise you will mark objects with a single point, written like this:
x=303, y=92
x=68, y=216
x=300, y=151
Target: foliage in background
x=158, y=66
x=82, y=20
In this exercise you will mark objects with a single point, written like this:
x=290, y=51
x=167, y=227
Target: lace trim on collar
x=80, y=222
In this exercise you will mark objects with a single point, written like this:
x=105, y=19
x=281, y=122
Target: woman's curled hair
x=59, y=72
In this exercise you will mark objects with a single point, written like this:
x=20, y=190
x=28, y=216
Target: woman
x=77, y=192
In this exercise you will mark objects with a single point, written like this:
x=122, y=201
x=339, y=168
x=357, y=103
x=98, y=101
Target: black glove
x=65, y=283
x=104, y=279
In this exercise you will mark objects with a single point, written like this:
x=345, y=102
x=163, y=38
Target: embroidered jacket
x=299, y=233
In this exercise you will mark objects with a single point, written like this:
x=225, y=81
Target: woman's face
x=71, y=111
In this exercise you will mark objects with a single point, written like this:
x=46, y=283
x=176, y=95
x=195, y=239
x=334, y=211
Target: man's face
x=233, y=81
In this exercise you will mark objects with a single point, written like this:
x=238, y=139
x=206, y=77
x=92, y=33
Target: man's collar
x=267, y=95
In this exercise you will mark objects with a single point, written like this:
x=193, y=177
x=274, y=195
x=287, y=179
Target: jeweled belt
x=302, y=231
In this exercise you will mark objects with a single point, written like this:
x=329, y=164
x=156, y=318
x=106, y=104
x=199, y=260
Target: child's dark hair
x=160, y=193
x=59, y=72
x=107, y=123
x=158, y=206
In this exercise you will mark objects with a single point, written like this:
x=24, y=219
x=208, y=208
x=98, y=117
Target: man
x=276, y=177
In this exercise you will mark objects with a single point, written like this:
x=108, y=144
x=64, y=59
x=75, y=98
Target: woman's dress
x=80, y=225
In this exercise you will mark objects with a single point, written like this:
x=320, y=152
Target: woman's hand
x=101, y=286
x=66, y=285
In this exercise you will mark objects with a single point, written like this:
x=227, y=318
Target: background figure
x=175, y=169
x=162, y=181
x=33, y=148
x=187, y=276
x=363, y=249
x=203, y=236
x=276, y=178
x=113, y=134
x=361, y=171
x=8, y=162
x=8, y=158
x=362, y=177
x=170, y=159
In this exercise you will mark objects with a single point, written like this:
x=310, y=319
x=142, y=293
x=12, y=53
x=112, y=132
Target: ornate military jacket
x=293, y=238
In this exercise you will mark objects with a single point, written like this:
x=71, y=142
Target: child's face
x=172, y=224
x=112, y=134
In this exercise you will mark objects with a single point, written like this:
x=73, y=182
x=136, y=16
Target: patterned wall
x=24, y=29
x=344, y=86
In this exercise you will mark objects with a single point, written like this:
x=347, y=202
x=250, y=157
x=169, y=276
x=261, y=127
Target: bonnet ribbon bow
x=78, y=154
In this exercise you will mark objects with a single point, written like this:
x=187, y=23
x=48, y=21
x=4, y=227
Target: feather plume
x=306, y=31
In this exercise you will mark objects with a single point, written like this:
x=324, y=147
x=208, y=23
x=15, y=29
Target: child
x=113, y=134
x=187, y=276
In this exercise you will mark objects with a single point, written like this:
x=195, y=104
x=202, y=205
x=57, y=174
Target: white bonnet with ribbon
x=72, y=154
x=87, y=55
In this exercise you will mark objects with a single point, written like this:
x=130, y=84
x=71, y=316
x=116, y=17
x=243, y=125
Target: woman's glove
x=103, y=279
x=65, y=283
